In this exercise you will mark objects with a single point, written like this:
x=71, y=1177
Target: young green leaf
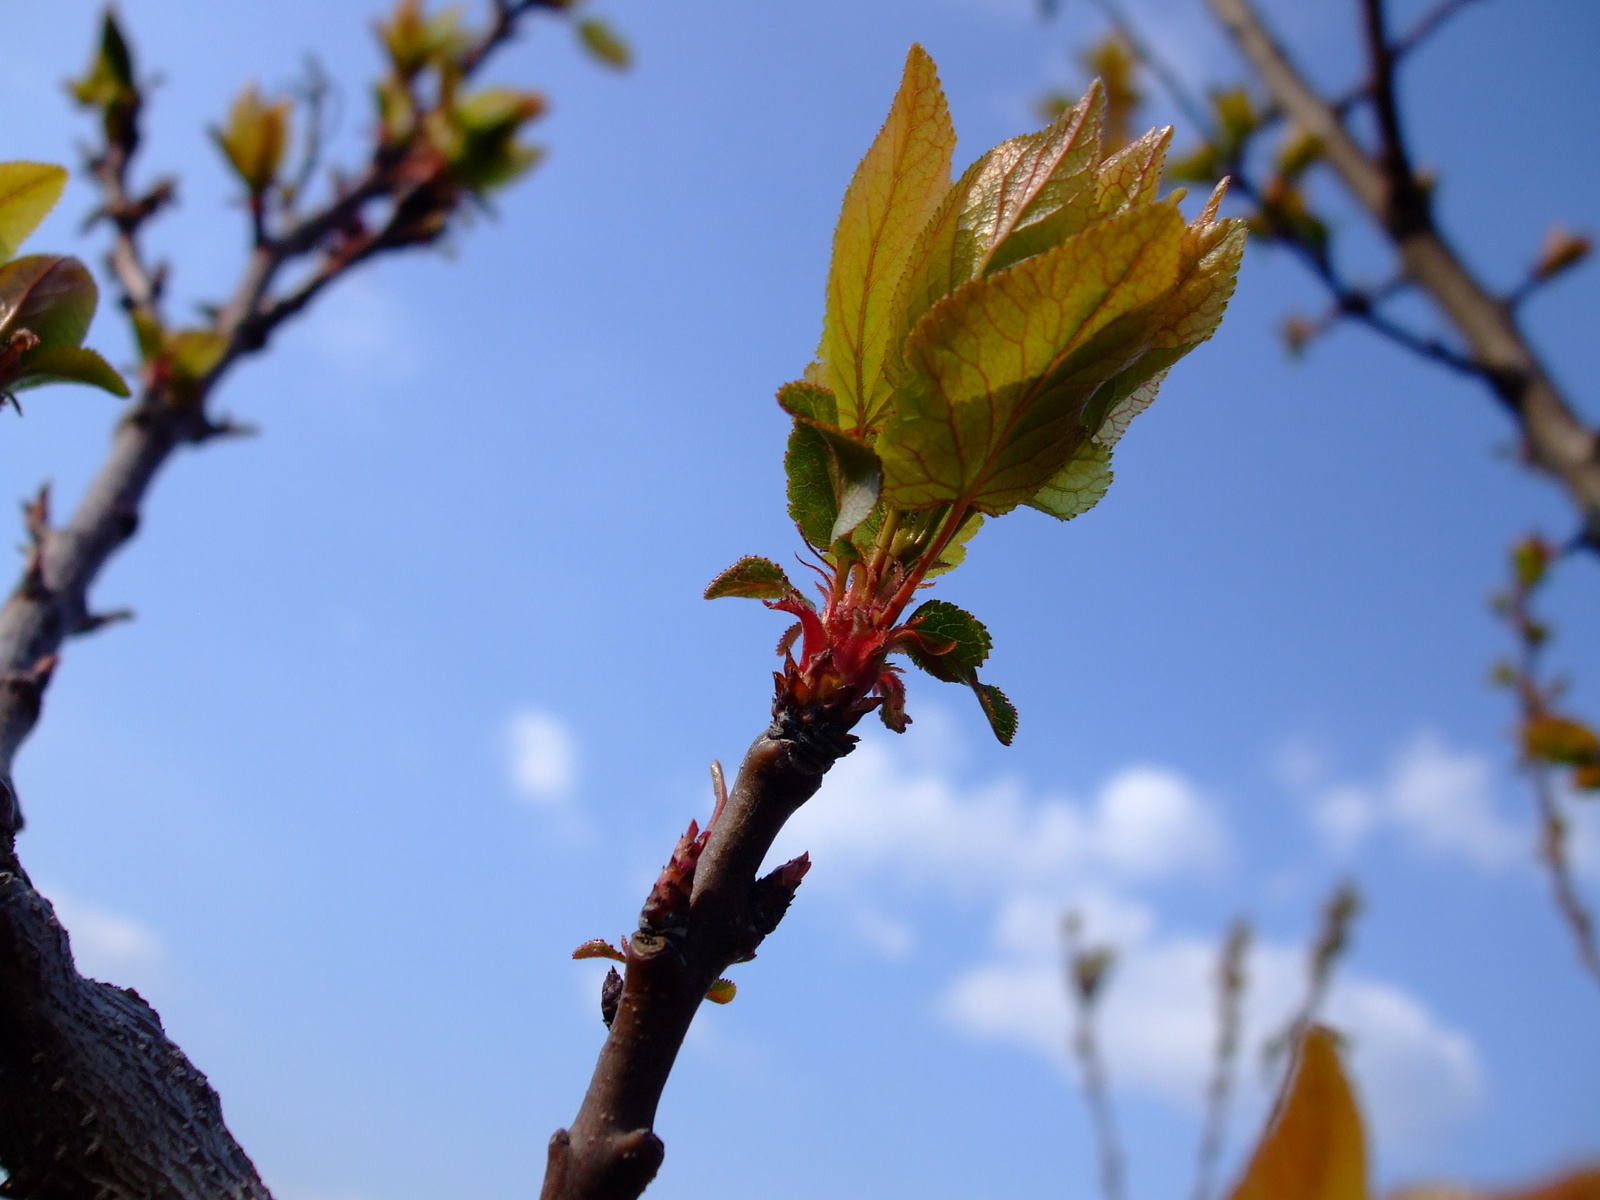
x=1000, y=711
x=1132, y=175
x=68, y=364
x=941, y=624
x=1079, y=485
x=255, y=138
x=722, y=992
x=192, y=353
x=752, y=577
x=992, y=408
x=810, y=402
x=28, y=191
x=834, y=481
x=895, y=190
x=603, y=42
x=50, y=296
x=109, y=78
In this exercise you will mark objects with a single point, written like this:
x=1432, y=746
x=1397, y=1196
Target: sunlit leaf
x=193, y=353
x=109, y=78
x=69, y=364
x=1314, y=1147
x=255, y=138
x=834, y=481
x=1559, y=740
x=722, y=992
x=809, y=402
x=1079, y=485
x=753, y=577
x=599, y=948
x=955, y=551
x=893, y=193
x=28, y=191
x=1132, y=175
x=1002, y=369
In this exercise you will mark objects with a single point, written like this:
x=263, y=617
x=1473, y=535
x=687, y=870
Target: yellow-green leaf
x=1079, y=485
x=1559, y=740
x=255, y=138
x=1002, y=370
x=1133, y=174
x=896, y=188
x=752, y=577
x=28, y=191
x=68, y=364
x=722, y=992
x=50, y=296
x=600, y=40
x=193, y=353
x=1314, y=1147
x=599, y=948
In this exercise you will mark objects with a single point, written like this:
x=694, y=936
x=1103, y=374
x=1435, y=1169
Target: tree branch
x=706, y=912
x=1558, y=442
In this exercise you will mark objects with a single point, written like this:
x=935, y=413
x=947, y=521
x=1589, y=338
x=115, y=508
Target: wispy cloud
x=105, y=944
x=1439, y=799
x=542, y=757
x=892, y=830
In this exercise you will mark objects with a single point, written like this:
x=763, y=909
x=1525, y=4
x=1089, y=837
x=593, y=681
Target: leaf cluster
x=986, y=341
x=46, y=300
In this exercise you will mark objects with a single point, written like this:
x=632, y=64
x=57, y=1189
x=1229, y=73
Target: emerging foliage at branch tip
x=986, y=341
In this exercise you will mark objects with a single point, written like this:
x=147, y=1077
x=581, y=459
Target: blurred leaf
x=414, y=40
x=28, y=191
x=51, y=296
x=1000, y=711
x=600, y=40
x=1314, y=1147
x=255, y=138
x=1559, y=740
x=1298, y=153
x=1235, y=114
x=69, y=364
x=1117, y=67
x=1002, y=369
x=1561, y=250
x=193, y=353
x=1203, y=164
x=109, y=77
x=1530, y=558
x=753, y=577
x=896, y=188
x=479, y=136
x=722, y=992
x=1579, y=1185
x=1587, y=777
x=1079, y=485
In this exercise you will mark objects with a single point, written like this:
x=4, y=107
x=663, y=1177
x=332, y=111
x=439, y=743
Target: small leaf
x=1000, y=711
x=108, y=81
x=896, y=188
x=52, y=297
x=955, y=550
x=834, y=481
x=600, y=40
x=28, y=191
x=1132, y=175
x=892, y=710
x=1079, y=485
x=255, y=138
x=193, y=353
x=1559, y=740
x=722, y=992
x=1314, y=1148
x=599, y=948
x=69, y=364
x=1531, y=558
x=810, y=402
x=1587, y=777
x=756, y=578
x=943, y=624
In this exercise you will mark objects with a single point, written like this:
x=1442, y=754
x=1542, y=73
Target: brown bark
x=611, y=1151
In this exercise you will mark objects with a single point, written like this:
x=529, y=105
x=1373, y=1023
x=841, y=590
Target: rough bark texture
x=95, y=1102
x=1558, y=442
x=611, y=1152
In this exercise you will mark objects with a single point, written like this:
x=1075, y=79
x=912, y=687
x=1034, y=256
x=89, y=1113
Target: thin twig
x=1231, y=983
x=1087, y=970
x=1553, y=853
x=1333, y=939
x=1429, y=24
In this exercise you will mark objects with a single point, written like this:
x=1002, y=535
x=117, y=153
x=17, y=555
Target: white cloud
x=876, y=817
x=543, y=757
x=1417, y=1076
x=105, y=945
x=1440, y=799
x=362, y=329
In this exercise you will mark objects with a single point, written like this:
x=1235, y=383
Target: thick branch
x=1558, y=442
x=94, y=1100
x=611, y=1152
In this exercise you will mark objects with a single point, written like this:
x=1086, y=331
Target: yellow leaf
x=1556, y=739
x=255, y=139
x=28, y=191
x=1314, y=1148
x=722, y=992
x=895, y=190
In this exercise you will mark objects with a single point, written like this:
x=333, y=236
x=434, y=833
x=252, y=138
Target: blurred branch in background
x=1557, y=748
x=1333, y=939
x=1087, y=970
x=1486, y=343
x=1231, y=984
x=97, y=1102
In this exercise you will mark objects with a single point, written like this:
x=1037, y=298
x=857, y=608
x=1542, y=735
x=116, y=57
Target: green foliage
x=254, y=139
x=599, y=39
x=751, y=577
x=108, y=84
x=46, y=300
x=985, y=343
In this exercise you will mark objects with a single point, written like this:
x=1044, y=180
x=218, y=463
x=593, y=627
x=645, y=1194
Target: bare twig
x=1558, y=442
x=1553, y=853
x=1231, y=983
x=1333, y=938
x=1427, y=25
x=1087, y=970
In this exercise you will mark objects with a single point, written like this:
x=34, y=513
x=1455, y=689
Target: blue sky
x=421, y=687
